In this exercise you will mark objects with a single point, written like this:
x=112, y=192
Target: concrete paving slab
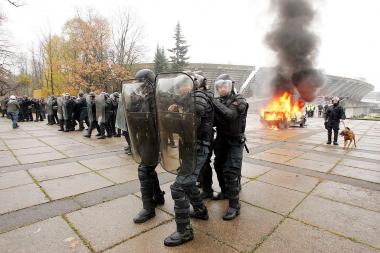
x=367, y=175
x=298, y=146
x=32, y=151
x=296, y=237
x=201, y=243
x=52, y=235
x=252, y=170
x=3, y=147
x=320, y=157
x=83, y=151
x=364, y=155
x=19, y=197
x=249, y=228
x=58, y=140
x=14, y=179
x=289, y=180
x=360, y=164
x=277, y=199
x=105, y=162
x=349, y=194
x=24, y=143
x=311, y=165
x=272, y=157
x=354, y=222
x=8, y=161
x=59, y=170
x=120, y=174
x=30, y=215
x=114, y=222
x=24, y=159
x=287, y=152
x=73, y=185
x=330, y=149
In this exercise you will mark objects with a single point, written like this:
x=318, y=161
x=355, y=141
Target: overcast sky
x=221, y=31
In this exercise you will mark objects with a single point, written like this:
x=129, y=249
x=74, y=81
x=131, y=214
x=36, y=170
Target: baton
x=246, y=148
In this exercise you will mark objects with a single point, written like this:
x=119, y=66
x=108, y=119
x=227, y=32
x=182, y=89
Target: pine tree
x=160, y=61
x=179, y=59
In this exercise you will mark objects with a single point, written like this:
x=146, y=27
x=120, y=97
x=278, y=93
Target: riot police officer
x=333, y=115
x=91, y=110
x=82, y=112
x=230, y=120
x=189, y=108
x=114, y=103
x=138, y=100
x=205, y=175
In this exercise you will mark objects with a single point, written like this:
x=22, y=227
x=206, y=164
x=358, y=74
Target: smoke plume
x=296, y=47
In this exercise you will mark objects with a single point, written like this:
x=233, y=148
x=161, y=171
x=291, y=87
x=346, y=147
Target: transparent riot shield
x=65, y=109
x=138, y=102
x=90, y=102
x=176, y=120
x=121, y=121
x=49, y=106
x=100, y=102
x=60, y=108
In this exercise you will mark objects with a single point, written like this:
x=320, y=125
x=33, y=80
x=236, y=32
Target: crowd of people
x=68, y=112
x=27, y=107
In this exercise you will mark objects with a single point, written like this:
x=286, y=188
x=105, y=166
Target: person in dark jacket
x=41, y=109
x=334, y=114
x=4, y=104
x=13, y=110
x=230, y=120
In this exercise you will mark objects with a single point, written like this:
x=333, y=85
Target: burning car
x=283, y=111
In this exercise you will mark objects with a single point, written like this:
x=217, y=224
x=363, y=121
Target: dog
x=349, y=136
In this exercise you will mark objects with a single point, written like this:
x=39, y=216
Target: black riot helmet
x=145, y=75
x=200, y=81
x=224, y=77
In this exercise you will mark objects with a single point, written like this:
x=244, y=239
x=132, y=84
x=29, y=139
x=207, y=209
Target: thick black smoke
x=296, y=47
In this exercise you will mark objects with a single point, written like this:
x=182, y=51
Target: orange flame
x=282, y=108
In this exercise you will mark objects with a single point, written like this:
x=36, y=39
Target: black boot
x=200, y=210
x=159, y=199
x=144, y=215
x=232, y=187
x=146, y=188
x=231, y=213
x=329, y=133
x=184, y=231
x=200, y=213
x=207, y=194
x=336, y=137
x=183, y=234
x=128, y=150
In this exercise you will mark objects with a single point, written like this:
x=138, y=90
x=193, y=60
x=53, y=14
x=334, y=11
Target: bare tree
x=36, y=63
x=48, y=51
x=126, y=37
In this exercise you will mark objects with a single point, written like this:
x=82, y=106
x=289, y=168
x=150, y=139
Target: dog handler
x=333, y=115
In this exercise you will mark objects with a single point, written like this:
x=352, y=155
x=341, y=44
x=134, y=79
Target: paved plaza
x=61, y=192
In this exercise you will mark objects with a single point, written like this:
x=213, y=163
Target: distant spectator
x=13, y=110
